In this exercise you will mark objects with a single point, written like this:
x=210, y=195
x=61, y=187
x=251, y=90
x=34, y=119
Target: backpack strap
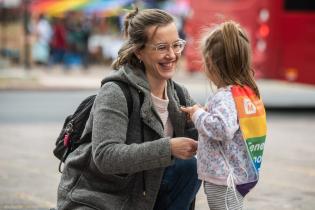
x=180, y=94
x=88, y=103
x=126, y=90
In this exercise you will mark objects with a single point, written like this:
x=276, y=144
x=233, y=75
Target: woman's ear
x=138, y=53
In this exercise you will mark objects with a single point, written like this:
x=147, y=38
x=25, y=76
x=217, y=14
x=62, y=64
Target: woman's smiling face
x=158, y=55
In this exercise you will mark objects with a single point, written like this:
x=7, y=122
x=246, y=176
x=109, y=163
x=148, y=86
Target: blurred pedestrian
x=58, y=41
x=76, y=42
x=43, y=34
x=232, y=129
x=86, y=33
x=145, y=160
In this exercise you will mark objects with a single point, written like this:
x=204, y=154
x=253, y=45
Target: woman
x=141, y=161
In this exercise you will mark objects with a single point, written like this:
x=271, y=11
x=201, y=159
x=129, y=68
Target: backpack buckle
x=68, y=131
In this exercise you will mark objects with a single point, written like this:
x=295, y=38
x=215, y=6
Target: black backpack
x=70, y=136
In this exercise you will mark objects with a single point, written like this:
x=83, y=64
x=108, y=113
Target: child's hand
x=205, y=108
x=190, y=110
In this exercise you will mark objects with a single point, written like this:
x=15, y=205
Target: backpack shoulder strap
x=180, y=94
x=87, y=104
x=126, y=90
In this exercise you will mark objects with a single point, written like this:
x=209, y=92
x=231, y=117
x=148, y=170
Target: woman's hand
x=183, y=148
x=190, y=110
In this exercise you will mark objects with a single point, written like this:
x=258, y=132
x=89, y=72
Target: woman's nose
x=171, y=53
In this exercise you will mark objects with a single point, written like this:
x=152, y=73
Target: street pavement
x=28, y=171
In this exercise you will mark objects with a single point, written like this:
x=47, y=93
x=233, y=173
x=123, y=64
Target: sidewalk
x=43, y=78
x=277, y=189
x=276, y=94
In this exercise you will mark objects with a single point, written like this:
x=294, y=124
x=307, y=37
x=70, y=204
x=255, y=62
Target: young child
x=232, y=128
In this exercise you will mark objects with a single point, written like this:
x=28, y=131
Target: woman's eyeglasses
x=164, y=48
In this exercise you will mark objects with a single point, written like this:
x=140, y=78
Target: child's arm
x=190, y=110
x=220, y=122
x=190, y=130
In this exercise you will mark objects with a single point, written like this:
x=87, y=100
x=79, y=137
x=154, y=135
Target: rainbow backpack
x=252, y=120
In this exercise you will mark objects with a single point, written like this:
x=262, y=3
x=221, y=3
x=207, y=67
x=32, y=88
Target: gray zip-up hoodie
x=121, y=169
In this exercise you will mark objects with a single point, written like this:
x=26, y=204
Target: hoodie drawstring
x=230, y=185
x=230, y=182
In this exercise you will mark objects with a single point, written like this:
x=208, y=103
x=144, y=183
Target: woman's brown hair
x=135, y=30
x=227, y=56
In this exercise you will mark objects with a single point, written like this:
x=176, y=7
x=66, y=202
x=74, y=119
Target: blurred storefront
x=73, y=33
x=10, y=29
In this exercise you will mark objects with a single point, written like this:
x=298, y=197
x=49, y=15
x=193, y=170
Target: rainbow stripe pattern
x=252, y=120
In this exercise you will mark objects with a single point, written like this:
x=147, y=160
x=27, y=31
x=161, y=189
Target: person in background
x=58, y=42
x=232, y=129
x=144, y=160
x=43, y=34
x=78, y=33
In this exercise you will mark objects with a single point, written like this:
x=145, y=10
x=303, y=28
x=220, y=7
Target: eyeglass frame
x=155, y=47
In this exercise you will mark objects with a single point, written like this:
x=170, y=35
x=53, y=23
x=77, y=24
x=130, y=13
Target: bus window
x=299, y=5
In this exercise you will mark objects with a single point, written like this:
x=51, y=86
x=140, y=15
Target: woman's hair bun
x=129, y=18
x=132, y=13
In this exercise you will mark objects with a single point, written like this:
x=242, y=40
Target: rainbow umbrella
x=66, y=5
x=41, y=6
x=106, y=6
x=57, y=7
x=102, y=8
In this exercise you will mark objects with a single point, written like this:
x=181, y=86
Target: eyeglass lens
x=177, y=47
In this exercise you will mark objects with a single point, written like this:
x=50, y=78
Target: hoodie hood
x=133, y=77
x=137, y=79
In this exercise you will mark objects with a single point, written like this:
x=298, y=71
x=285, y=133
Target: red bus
x=282, y=34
